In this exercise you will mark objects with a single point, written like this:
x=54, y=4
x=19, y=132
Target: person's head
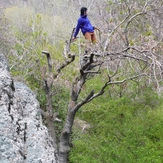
x=83, y=11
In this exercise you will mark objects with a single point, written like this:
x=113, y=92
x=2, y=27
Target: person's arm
x=77, y=28
x=97, y=29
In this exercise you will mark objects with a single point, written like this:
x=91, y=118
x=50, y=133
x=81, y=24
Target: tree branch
x=84, y=101
x=48, y=60
x=111, y=83
x=130, y=20
x=115, y=28
x=65, y=63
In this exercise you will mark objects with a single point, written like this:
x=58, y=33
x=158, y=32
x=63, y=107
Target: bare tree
x=140, y=62
x=129, y=49
x=91, y=66
x=128, y=64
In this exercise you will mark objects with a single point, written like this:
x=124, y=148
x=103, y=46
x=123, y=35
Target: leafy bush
x=123, y=130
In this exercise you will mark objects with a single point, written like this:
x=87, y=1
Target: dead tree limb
x=64, y=146
x=65, y=63
x=48, y=80
x=48, y=60
x=75, y=105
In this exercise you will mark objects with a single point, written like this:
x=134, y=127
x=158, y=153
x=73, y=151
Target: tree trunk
x=50, y=118
x=64, y=146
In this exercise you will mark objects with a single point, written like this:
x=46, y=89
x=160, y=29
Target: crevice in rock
x=25, y=133
x=22, y=153
x=18, y=128
x=12, y=118
x=9, y=107
x=12, y=86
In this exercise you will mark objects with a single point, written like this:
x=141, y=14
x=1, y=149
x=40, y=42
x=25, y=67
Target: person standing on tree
x=86, y=27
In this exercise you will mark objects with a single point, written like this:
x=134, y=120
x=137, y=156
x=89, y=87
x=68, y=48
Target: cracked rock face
x=23, y=137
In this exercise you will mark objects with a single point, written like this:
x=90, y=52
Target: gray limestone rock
x=23, y=137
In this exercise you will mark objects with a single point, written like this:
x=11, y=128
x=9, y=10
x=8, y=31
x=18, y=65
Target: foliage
x=32, y=32
x=126, y=121
x=60, y=101
x=123, y=130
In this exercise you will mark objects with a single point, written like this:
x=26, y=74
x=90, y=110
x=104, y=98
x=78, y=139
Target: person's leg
x=88, y=36
x=93, y=38
x=88, y=41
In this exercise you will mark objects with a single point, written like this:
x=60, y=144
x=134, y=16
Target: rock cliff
x=23, y=137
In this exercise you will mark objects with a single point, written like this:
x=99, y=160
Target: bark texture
x=74, y=106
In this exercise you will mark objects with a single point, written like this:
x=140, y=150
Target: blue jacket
x=83, y=24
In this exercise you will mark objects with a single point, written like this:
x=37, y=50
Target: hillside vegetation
x=123, y=101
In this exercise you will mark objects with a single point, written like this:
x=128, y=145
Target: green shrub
x=123, y=130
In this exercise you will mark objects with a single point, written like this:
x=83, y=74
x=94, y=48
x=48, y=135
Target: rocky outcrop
x=23, y=137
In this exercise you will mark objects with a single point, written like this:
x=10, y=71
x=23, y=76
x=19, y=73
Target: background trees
x=125, y=122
